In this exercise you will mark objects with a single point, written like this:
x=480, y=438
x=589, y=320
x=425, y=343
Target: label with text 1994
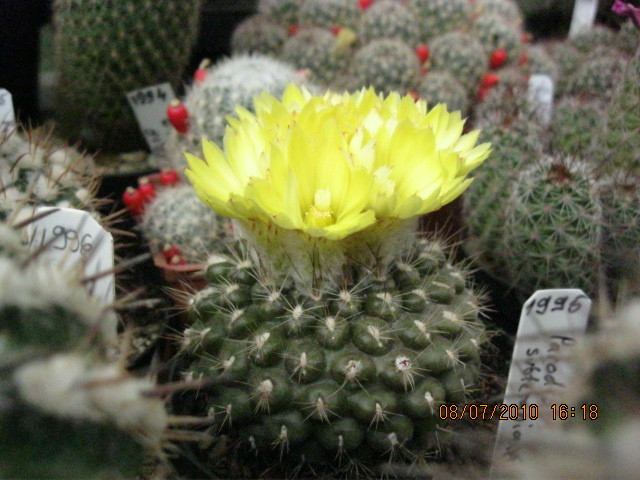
x=552, y=324
x=149, y=105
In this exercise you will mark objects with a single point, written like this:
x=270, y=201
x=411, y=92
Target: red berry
x=146, y=189
x=168, y=176
x=177, y=260
x=336, y=29
x=201, y=73
x=364, y=4
x=489, y=80
x=423, y=53
x=526, y=37
x=293, y=29
x=133, y=200
x=178, y=116
x=170, y=250
x=413, y=94
x=498, y=57
x=482, y=93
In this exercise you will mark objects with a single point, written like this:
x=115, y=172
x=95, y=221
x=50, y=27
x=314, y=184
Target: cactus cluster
x=36, y=171
x=105, y=50
x=65, y=400
x=564, y=214
x=393, y=45
x=231, y=83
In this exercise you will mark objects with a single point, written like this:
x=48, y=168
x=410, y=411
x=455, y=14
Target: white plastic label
x=540, y=96
x=552, y=323
x=74, y=237
x=7, y=115
x=149, y=105
x=584, y=14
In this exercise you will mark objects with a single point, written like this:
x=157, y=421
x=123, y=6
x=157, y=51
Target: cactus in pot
x=334, y=334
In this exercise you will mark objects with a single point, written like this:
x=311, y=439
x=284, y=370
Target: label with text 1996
x=149, y=105
x=552, y=323
x=73, y=237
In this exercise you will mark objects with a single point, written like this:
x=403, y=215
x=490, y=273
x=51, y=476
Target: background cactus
x=462, y=55
x=104, y=50
x=258, y=34
x=177, y=217
x=329, y=13
x=439, y=16
x=389, y=19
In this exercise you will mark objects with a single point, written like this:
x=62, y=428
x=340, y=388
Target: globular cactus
x=177, y=217
x=387, y=65
x=389, y=19
x=574, y=125
x=442, y=87
x=598, y=77
x=494, y=33
x=439, y=16
x=316, y=50
x=333, y=334
x=329, y=13
x=103, y=51
x=65, y=400
x=35, y=171
x=507, y=9
x=462, y=55
x=231, y=82
x=284, y=11
x=258, y=34
x=555, y=214
x=594, y=38
x=540, y=61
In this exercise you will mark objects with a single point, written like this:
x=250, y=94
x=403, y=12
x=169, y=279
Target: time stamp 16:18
x=559, y=411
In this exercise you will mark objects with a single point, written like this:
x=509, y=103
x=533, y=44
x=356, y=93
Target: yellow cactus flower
x=333, y=165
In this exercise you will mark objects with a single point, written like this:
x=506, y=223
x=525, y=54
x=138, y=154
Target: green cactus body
x=628, y=38
x=569, y=59
x=439, y=16
x=315, y=49
x=494, y=33
x=329, y=13
x=598, y=77
x=283, y=11
x=507, y=9
x=231, y=83
x=539, y=61
x=387, y=65
x=389, y=19
x=619, y=145
x=258, y=34
x=574, y=125
x=441, y=87
x=594, y=38
x=552, y=228
x=357, y=366
x=177, y=216
x=460, y=54
x=106, y=49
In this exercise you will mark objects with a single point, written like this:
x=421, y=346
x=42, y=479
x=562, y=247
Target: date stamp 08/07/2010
x=556, y=411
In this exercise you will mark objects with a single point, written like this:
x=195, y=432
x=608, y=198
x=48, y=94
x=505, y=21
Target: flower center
x=319, y=214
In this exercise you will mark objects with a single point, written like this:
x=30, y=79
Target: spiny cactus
x=574, y=125
x=316, y=50
x=439, y=16
x=177, y=217
x=230, y=83
x=597, y=37
x=389, y=19
x=332, y=336
x=507, y=9
x=285, y=11
x=442, y=87
x=387, y=65
x=258, y=34
x=65, y=400
x=329, y=13
x=462, y=55
x=555, y=214
x=35, y=171
x=494, y=33
x=540, y=61
x=104, y=50
x=598, y=77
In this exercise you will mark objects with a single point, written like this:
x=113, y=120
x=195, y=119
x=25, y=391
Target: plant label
x=149, y=105
x=7, y=115
x=584, y=14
